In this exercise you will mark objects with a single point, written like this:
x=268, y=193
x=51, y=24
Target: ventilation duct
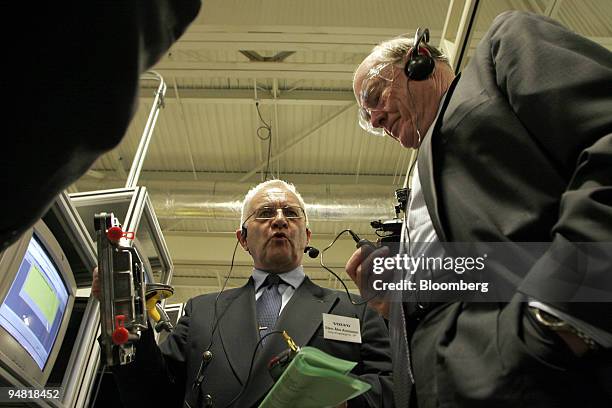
x=323, y=203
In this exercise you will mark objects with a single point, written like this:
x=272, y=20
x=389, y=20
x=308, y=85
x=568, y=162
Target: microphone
x=311, y=251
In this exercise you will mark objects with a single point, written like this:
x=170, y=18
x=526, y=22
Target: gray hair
x=249, y=196
x=394, y=50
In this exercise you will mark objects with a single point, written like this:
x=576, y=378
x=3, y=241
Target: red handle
x=120, y=334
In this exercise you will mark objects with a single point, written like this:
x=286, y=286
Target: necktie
x=268, y=305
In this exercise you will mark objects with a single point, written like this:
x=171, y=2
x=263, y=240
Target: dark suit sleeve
x=374, y=364
x=558, y=85
x=157, y=376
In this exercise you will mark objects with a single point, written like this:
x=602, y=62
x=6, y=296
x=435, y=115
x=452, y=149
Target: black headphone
x=419, y=65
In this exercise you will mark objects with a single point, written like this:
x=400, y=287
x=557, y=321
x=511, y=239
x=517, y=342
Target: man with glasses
x=217, y=337
x=515, y=149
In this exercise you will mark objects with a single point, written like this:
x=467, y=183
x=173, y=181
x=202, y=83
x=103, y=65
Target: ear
x=308, y=235
x=241, y=239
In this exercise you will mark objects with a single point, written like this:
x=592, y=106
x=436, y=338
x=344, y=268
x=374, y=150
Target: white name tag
x=341, y=328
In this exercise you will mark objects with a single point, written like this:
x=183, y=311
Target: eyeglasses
x=375, y=89
x=290, y=212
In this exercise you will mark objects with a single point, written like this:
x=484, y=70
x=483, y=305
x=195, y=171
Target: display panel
x=37, y=293
x=33, y=309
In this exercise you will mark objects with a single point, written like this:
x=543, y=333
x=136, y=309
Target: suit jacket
x=174, y=365
x=521, y=153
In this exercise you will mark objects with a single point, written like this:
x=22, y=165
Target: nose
x=378, y=118
x=279, y=220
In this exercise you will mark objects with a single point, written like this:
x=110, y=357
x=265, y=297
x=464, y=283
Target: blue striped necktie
x=268, y=305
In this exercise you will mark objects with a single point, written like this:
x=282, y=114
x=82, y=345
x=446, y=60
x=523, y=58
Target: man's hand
x=95, y=284
x=359, y=268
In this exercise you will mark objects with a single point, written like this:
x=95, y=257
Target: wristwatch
x=556, y=324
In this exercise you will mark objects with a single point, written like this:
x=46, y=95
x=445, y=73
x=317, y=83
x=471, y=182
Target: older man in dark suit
x=515, y=149
x=228, y=326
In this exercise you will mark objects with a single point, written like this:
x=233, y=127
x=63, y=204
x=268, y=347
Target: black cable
x=267, y=137
x=407, y=220
x=215, y=323
x=93, y=402
x=246, y=383
x=348, y=294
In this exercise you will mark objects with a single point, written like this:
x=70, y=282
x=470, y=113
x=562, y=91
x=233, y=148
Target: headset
x=420, y=63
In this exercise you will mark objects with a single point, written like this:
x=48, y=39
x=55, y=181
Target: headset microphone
x=311, y=251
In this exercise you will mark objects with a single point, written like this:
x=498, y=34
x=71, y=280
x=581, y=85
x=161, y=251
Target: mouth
x=279, y=236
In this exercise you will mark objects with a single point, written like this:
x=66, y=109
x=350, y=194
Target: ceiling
x=292, y=60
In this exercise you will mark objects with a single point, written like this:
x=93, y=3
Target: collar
x=294, y=278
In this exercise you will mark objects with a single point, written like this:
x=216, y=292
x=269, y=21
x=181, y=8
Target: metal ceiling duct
x=223, y=201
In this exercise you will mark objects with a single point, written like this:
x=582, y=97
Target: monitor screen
x=34, y=307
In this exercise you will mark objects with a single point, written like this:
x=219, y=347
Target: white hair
x=253, y=191
x=396, y=49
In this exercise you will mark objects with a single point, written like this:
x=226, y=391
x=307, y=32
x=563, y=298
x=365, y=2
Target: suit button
x=207, y=356
x=208, y=401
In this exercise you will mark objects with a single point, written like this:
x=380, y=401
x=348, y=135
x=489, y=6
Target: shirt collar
x=294, y=278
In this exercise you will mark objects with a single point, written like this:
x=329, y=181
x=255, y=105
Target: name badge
x=341, y=328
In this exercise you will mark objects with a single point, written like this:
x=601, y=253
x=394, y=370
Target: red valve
x=114, y=233
x=120, y=335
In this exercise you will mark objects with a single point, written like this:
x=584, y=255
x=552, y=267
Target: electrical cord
x=267, y=137
x=406, y=231
x=246, y=383
x=360, y=242
x=93, y=402
x=215, y=323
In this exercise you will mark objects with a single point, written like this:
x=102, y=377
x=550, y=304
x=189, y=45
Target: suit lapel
x=425, y=163
x=300, y=318
x=303, y=314
x=238, y=328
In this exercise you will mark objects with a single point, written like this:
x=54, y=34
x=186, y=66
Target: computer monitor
x=37, y=291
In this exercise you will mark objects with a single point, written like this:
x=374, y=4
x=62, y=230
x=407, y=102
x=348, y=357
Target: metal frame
x=457, y=50
x=141, y=152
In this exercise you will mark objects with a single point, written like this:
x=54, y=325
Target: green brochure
x=314, y=379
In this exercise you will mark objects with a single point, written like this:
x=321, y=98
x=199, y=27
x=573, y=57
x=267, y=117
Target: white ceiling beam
x=257, y=70
x=297, y=29
x=287, y=38
x=246, y=96
x=185, y=180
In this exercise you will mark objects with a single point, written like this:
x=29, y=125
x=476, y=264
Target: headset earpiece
x=243, y=232
x=420, y=63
